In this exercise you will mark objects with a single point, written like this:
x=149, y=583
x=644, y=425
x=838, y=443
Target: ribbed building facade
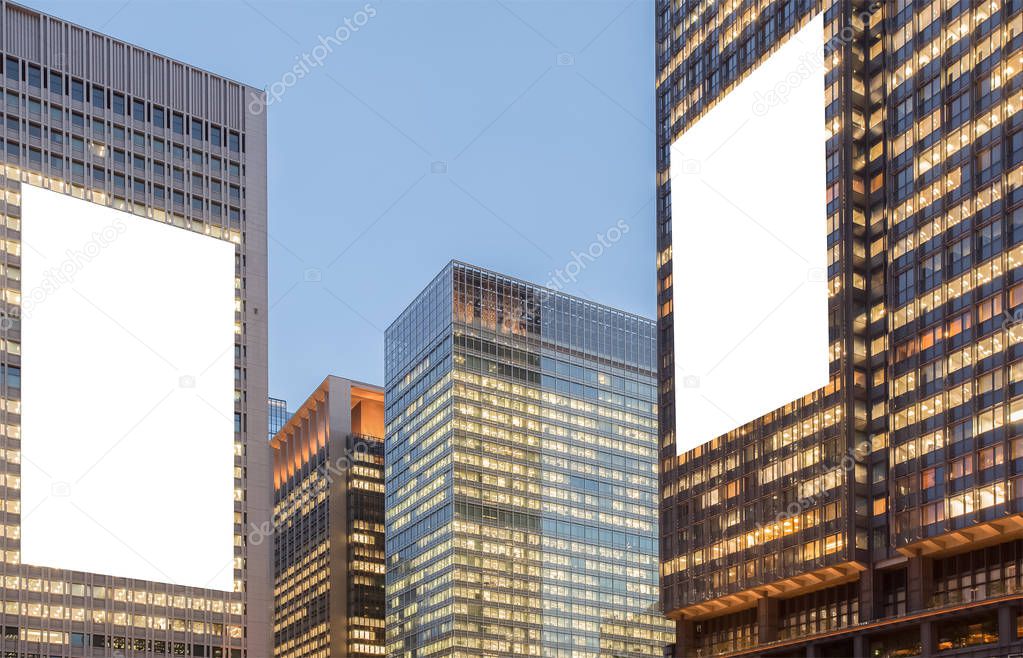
x=328, y=525
x=521, y=475
x=880, y=515
x=106, y=121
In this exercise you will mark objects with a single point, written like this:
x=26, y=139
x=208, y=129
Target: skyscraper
x=880, y=514
x=521, y=483
x=328, y=524
x=171, y=160
x=277, y=411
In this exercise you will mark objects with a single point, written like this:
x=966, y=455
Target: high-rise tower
x=879, y=514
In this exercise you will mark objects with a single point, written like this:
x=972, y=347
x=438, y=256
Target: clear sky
x=508, y=134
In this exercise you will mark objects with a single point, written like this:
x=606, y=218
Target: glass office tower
x=521, y=475
x=879, y=515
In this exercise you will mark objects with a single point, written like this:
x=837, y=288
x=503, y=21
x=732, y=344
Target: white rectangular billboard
x=749, y=246
x=127, y=394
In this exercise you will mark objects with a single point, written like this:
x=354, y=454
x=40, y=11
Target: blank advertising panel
x=127, y=380
x=749, y=246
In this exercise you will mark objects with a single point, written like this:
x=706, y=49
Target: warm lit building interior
x=521, y=474
x=881, y=515
x=328, y=524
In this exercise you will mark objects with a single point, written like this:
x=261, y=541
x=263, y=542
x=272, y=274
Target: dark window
x=216, y=136
x=905, y=286
x=178, y=123
x=904, y=115
x=197, y=131
x=1016, y=148
x=930, y=94
x=117, y=103
x=930, y=271
x=12, y=68
x=959, y=256
x=77, y=90
x=99, y=97
x=56, y=83
x=989, y=163
x=35, y=76
x=989, y=240
x=159, y=117
x=959, y=109
x=904, y=183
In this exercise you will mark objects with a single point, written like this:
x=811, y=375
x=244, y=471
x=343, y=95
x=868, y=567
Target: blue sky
x=507, y=134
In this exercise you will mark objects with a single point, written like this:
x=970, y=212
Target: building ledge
x=967, y=539
x=885, y=624
x=785, y=588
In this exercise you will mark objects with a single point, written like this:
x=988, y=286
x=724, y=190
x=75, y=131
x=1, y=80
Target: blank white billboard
x=749, y=246
x=127, y=394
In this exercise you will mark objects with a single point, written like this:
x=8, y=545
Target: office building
x=880, y=513
x=278, y=414
x=328, y=524
x=163, y=304
x=521, y=475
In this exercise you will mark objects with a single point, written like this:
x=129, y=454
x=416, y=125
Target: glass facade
x=521, y=477
x=908, y=458
x=278, y=415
